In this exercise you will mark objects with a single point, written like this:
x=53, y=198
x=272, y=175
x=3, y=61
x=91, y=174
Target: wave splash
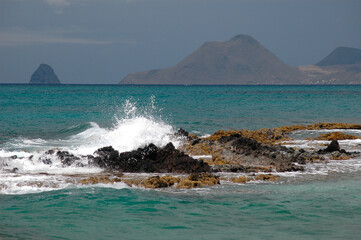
x=134, y=126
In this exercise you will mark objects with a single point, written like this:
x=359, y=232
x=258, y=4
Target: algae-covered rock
x=99, y=179
x=132, y=181
x=260, y=177
x=340, y=156
x=336, y=136
x=198, y=180
x=266, y=177
x=160, y=181
x=319, y=126
x=241, y=179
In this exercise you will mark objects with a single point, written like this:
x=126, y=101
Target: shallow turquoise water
x=36, y=118
x=326, y=209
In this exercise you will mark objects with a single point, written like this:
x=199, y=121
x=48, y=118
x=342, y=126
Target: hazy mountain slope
x=240, y=60
x=342, y=56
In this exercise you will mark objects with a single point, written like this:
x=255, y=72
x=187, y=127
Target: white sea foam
x=201, y=156
x=27, y=157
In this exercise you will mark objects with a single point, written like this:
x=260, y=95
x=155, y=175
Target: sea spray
x=26, y=165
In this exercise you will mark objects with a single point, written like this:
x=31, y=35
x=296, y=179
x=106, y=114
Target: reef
x=261, y=150
x=257, y=155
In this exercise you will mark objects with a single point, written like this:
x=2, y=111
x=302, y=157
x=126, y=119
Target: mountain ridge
x=341, y=56
x=241, y=60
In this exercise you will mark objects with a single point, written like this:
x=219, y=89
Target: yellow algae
x=267, y=177
x=336, y=136
x=132, y=181
x=241, y=179
x=197, y=180
x=99, y=179
x=160, y=181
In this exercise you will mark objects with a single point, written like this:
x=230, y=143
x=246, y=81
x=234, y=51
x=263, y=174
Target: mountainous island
x=341, y=66
x=44, y=75
x=242, y=60
x=239, y=61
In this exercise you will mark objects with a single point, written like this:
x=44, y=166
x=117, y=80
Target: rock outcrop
x=148, y=159
x=236, y=153
x=44, y=75
x=260, y=150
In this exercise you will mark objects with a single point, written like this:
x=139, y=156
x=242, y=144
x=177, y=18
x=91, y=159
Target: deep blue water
x=36, y=118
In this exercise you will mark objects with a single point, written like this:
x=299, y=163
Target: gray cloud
x=19, y=38
x=57, y=3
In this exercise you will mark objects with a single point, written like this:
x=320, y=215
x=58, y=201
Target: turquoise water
x=322, y=204
x=312, y=210
x=195, y=108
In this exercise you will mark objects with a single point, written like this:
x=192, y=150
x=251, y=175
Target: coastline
x=225, y=157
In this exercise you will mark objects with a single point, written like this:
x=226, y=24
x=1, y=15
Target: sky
x=101, y=41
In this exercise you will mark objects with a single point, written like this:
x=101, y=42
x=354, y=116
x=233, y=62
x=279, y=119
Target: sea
x=41, y=200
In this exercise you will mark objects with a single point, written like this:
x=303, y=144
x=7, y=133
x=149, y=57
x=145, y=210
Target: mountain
x=342, y=56
x=341, y=66
x=239, y=61
x=44, y=75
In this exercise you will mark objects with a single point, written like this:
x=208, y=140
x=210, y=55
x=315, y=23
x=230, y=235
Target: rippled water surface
x=39, y=201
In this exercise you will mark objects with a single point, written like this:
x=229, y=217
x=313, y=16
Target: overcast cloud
x=94, y=41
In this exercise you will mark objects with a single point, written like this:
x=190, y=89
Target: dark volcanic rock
x=66, y=158
x=235, y=153
x=332, y=147
x=273, y=154
x=148, y=159
x=44, y=75
x=106, y=157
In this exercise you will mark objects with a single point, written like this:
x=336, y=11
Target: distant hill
x=44, y=75
x=342, y=56
x=239, y=61
x=341, y=66
x=334, y=74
